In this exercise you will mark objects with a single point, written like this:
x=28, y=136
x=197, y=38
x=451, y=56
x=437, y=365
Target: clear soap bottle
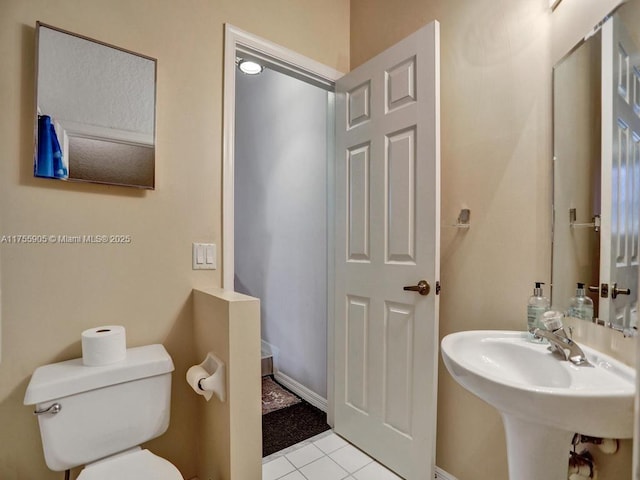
x=537, y=305
x=580, y=306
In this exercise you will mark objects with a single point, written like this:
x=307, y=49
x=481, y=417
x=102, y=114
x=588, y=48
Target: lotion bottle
x=537, y=305
x=581, y=306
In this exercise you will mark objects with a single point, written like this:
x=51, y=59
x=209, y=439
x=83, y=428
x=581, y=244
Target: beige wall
x=51, y=293
x=496, y=64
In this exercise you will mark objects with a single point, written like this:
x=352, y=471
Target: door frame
x=239, y=42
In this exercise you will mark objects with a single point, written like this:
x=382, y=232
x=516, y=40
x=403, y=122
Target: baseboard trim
x=442, y=475
x=303, y=392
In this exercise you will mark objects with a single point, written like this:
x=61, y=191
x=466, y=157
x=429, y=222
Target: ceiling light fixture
x=250, y=67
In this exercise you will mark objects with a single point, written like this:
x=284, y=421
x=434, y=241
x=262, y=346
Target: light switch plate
x=204, y=256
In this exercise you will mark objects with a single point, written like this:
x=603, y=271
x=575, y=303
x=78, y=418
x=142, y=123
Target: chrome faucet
x=559, y=341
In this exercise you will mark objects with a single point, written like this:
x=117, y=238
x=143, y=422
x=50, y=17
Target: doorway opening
x=277, y=221
x=281, y=244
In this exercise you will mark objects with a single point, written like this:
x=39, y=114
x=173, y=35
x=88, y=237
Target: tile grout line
x=297, y=446
x=311, y=441
x=349, y=474
x=320, y=458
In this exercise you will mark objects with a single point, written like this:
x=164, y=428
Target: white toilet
x=98, y=416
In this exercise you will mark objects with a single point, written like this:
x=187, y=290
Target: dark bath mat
x=291, y=425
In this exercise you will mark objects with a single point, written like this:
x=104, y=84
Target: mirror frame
x=151, y=184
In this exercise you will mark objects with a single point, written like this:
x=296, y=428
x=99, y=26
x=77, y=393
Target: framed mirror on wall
x=596, y=199
x=96, y=104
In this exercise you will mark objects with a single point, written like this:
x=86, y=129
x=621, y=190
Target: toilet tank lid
x=57, y=380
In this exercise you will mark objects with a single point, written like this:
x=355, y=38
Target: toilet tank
x=103, y=410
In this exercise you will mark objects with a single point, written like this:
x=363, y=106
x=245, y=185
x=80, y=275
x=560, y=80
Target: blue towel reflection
x=59, y=169
x=44, y=161
x=49, y=161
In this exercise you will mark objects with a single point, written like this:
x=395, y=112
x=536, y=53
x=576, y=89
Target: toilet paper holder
x=208, y=378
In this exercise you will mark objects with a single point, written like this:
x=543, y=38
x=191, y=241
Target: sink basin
x=542, y=399
x=523, y=378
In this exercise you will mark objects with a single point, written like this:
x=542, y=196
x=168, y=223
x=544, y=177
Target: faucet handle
x=552, y=320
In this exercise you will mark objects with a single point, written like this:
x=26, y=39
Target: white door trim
x=237, y=41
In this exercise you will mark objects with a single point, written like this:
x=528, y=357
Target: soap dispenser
x=580, y=306
x=537, y=305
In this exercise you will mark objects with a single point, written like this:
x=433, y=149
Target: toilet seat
x=132, y=465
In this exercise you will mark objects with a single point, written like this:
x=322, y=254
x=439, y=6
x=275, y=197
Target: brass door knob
x=423, y=288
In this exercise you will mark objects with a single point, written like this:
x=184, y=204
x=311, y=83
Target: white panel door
x=620, y=174
x=387, y=237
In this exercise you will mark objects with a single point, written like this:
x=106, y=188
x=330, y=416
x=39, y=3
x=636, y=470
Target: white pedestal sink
x=543, y=400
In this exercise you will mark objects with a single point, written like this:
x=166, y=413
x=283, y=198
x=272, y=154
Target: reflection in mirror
x=95, y=111
x=596, y=95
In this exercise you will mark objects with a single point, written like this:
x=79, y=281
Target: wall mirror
x=95, y=119
x=596, y=194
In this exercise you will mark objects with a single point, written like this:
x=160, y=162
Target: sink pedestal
x=536, y=451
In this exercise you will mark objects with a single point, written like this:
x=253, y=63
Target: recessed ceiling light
x=250, y=67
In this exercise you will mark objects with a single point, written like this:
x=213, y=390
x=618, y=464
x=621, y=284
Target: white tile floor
x=323, y=457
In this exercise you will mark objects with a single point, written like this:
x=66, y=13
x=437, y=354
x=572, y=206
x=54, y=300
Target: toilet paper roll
x=104, y=345
x=609, y=446
x=195, y=375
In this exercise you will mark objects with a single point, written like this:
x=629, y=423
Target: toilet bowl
x=134, y=464
x=98, y=416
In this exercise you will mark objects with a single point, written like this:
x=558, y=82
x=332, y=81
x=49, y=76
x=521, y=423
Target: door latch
x=604, y=290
